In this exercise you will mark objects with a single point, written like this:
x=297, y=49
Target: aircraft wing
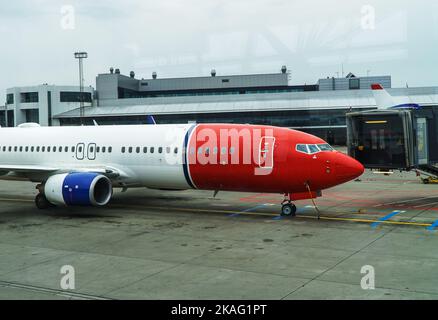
x=32, y=169
x=25, y=168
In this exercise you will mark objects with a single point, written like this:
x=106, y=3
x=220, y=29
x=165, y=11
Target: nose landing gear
x=288, y=209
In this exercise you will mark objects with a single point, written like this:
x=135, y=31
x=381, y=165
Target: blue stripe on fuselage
x=407, y=106
x=186, y=157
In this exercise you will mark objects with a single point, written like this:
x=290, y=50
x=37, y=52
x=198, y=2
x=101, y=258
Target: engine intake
x=78, y=189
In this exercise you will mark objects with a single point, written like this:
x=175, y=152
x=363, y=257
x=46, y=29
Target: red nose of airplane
x=348, y=168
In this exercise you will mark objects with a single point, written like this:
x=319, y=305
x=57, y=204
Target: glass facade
x=28, y=97
x=10, y=98
x=68, y=96
x=32, y=115
x=330, y=125
x=10, y=115
x=11, y=120
x=354, y=84
x=2, y=118
x=124, y=93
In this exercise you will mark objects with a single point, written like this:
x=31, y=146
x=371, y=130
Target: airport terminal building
x=267, y=99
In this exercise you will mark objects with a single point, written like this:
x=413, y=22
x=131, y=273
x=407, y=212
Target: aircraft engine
x=78, y=189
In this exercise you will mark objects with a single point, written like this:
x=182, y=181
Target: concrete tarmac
x=150, y=244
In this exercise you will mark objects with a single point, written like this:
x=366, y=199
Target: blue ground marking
x=247, y=210
x=385, y=218
x=433, y=226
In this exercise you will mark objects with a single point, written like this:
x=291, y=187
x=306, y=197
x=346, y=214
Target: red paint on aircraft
x=274, y=165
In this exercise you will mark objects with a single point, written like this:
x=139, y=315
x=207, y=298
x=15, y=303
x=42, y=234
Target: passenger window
x=145, y=149
x=97, y=149
x=4, y=149
x=167, y=149
x=110, y=149
x=103, y=149
x=175, y=150
x=21, y=149
x=130, y=149
x=215, y=150
x=32, y=149
x=232, y=150
x=65, y=149
x=223, y=150
x=160, y=150
x=123, y=149
x=152, y=149
x=137, y=149
x=73, y=149
x=199, y=150
x=26, y=149
x=313, y=148
x=43, y=149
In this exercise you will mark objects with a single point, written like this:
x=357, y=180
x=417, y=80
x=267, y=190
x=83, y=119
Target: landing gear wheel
x=288, y=210
x=41, y=201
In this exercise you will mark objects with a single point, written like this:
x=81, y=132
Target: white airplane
x=82, y=165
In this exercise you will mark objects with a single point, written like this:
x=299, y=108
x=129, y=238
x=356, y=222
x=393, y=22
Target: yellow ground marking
x=276, y=215
x=265, y=214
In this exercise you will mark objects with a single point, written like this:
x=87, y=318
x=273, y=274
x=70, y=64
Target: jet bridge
x=392, y=139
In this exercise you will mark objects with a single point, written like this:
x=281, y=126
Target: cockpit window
x=325, y=147
x=313, y=148
x=302, y=148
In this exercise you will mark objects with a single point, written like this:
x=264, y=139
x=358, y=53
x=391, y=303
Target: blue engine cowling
x=78, y=189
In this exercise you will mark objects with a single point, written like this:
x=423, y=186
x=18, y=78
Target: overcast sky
x=178, y=38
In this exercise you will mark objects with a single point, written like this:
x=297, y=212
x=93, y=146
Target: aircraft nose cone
x=348, y=168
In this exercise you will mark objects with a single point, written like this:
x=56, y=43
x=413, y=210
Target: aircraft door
x=91, y=152
x=80, y=151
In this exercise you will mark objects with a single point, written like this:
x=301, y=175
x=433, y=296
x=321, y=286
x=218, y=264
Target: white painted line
x=425, y=205
x=403, y=201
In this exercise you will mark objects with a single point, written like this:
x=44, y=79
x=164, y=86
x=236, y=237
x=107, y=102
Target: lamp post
x=80, y=56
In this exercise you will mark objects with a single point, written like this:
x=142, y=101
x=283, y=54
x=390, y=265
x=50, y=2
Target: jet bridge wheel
x=41, y=201
x=288, y=210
